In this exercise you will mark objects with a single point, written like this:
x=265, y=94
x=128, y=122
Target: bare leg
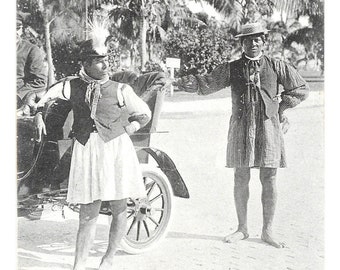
x=117, y=231
x=241, y=196
x=87, y=228
x=269, y=197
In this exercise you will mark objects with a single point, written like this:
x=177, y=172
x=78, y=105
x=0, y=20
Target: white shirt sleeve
x=60, y=90
x=134, y=104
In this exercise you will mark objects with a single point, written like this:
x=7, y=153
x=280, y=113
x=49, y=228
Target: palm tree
x=242, y=11
x=238, y=12
x=146, y=20
x=174, y=15
x=50, y=10
x=312, y=37
x=130, y=19
x=296, y=8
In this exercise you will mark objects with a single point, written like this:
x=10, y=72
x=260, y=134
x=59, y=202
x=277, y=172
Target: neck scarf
x=253, y=76
x=93, y=94
x=253, y=69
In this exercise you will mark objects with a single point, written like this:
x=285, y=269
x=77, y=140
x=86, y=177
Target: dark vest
x=107, y=120
x=269, y=86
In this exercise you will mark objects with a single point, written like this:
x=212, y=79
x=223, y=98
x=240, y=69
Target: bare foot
x=236, y=236
x=266, y=237
x=106, y=264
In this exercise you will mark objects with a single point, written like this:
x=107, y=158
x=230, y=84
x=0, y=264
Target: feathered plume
x=99, y=32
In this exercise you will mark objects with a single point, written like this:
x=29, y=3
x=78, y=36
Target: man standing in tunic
x=257, y=123
x=104, y=165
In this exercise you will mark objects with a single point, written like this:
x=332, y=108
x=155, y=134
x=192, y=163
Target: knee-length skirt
x=104, y=171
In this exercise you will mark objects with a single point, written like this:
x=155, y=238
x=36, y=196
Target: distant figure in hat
x=104, y=165
x=31, y=71
x=257, y=123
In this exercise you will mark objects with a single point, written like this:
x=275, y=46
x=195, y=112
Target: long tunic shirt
x=255, y=138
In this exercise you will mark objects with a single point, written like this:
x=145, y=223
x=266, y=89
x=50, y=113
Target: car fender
x=168, y=167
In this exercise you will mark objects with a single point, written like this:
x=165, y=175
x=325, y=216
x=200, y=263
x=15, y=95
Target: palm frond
x=306, y=36
x=225, y=7
x=294, y=8
x=124, y=19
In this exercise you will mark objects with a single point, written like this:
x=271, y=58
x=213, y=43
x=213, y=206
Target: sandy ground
x=196, y=141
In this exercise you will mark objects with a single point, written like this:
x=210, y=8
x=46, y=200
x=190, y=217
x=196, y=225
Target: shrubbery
x=201, y=49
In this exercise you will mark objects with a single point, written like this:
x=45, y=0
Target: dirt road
x=197, y=142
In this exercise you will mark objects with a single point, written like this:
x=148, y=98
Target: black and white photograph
x=170, y=134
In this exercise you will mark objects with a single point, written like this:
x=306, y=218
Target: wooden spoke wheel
x=148, y=218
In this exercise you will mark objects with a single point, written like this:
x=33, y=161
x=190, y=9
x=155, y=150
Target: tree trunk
x=143, y=53
x=133, y=57
x=86, y=20
x=50, y=65
x=150, y=49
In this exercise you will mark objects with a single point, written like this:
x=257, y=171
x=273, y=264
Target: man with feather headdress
x=104, y=165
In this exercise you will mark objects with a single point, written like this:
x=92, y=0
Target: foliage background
x=172, y=30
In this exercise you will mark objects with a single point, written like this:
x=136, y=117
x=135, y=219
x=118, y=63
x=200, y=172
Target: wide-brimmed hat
x=250, y=29
x=91, y=49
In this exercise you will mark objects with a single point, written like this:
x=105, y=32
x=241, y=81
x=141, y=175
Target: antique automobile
x=43, y=168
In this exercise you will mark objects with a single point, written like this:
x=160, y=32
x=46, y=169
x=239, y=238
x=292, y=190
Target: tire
x=149, y=218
